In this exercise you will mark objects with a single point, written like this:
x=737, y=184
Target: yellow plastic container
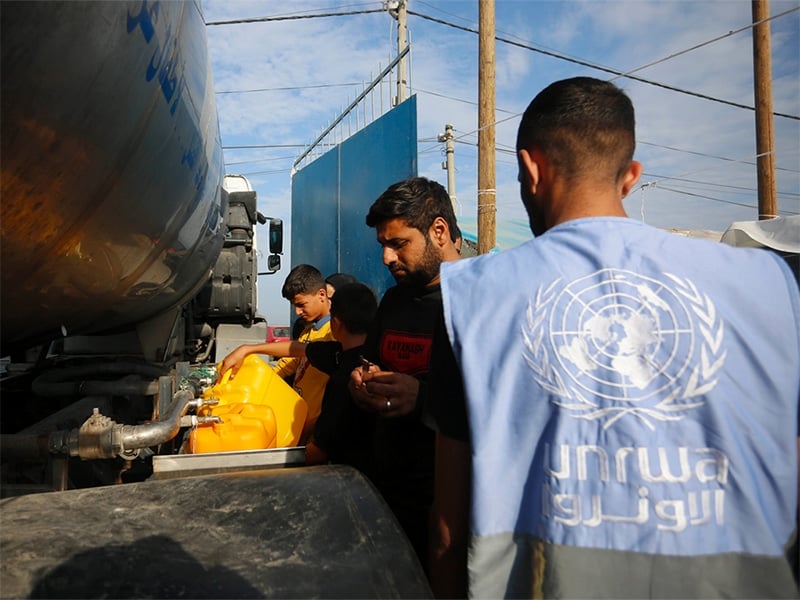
x=243, y=427
x=257, y=384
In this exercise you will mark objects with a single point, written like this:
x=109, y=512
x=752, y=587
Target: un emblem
x=616, y=344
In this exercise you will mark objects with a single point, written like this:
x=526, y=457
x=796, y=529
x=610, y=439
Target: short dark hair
x=337, y=280
x=581, y=124
x=303, y=279
x=355, y=305
x=418, y=201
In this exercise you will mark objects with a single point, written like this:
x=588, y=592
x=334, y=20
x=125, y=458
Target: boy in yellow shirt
x=305, y=289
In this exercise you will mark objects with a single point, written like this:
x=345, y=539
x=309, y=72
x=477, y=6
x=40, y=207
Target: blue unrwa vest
x=633, y=406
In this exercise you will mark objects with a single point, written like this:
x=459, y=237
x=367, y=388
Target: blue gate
x=332, y=195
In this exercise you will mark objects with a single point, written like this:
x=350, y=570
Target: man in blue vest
x=630, y=428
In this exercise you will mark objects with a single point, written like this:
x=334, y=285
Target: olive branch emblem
x=672, y=407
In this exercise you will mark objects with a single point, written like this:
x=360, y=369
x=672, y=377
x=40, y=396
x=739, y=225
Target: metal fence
x=355, y=117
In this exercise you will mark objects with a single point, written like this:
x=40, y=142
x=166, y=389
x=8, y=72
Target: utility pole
x=450, y=163
x=765, y=133
x=399, y=11
x=486, y=130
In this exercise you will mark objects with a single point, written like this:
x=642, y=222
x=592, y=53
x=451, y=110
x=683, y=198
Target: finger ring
x=388, y=405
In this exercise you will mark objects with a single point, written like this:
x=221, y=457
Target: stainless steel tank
x=111, y=165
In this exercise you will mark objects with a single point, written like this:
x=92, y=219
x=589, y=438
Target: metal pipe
x=134, y=437
x=100, y=437
x=401, y=54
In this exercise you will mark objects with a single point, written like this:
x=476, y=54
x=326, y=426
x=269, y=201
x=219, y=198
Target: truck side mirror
x=273, y=263
x=276, y=237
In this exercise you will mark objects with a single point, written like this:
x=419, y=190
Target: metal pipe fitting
x=101, y=437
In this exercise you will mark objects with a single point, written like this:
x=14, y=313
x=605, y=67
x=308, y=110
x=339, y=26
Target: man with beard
x=416, y=227
x=630, y=430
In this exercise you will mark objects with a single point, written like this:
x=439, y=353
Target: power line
x=711, y=41
x=661, y=178
x=501, y=148
x=685, y=193
x=258, y=160
x=290, y=88
x=264, y=146
x=658, y=183
x=598, y=67
x=294, y=17
x=534, y=49
x=705, y=155
x=728, y=186
x=628, y=74
x=509, y=150
x=696, y=186
x=455, y=99
x=267, y=172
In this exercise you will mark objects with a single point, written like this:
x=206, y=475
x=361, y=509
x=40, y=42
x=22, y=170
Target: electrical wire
x=704, y=197
x=585, y=63
x=528, y=46
x=257, y=160
x=264, y=146
x=727, y=186
x=290, y=88
x=267, y=172
x=708, y=42
x=293, y=17
x=553, y=54
x=455, y=99
x=705, y=155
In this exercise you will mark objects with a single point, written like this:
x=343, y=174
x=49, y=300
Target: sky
x=280, y=83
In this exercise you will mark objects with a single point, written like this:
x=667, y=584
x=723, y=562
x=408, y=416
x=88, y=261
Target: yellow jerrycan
x=258, y=409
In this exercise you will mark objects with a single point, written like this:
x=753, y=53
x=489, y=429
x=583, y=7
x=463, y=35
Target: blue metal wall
x=332, y=195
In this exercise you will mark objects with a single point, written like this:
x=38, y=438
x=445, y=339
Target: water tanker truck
x=129, y=266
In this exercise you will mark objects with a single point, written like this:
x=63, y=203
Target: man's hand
x=358, y=387
x=384, y=392
x=233, y=362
